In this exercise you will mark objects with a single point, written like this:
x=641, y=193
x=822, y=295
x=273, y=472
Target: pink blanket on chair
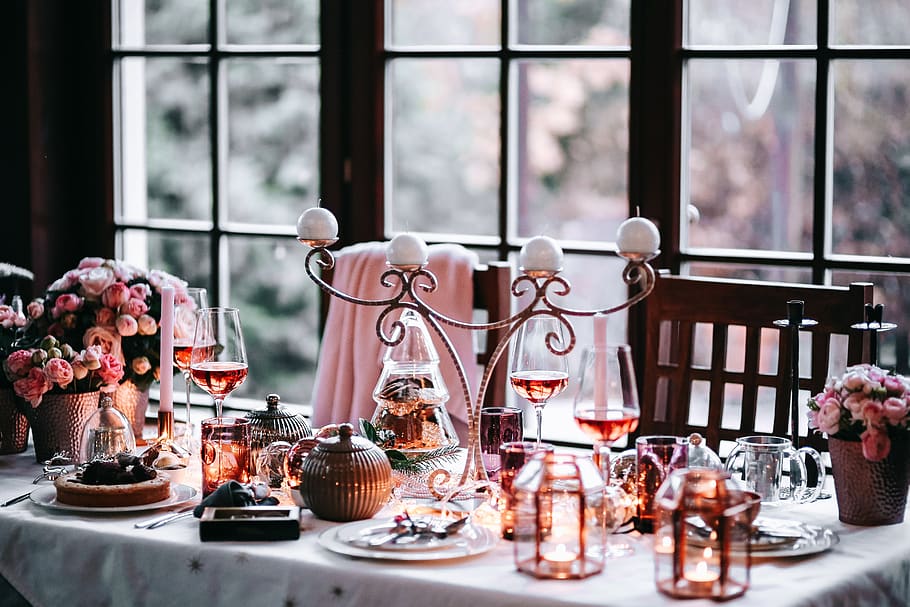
x=351, y=356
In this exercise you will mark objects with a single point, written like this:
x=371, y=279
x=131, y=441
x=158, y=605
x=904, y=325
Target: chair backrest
x=715, y=363
x=492, y=283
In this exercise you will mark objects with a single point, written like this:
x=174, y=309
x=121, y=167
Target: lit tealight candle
x=664, y=546
x=541, y=254
x=317, y=224
x=638, y=235
x=407, y=250
x=560, y=559
x=701, y=575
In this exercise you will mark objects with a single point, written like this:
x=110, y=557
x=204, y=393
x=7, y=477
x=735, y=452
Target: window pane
x=435, y=23
x=575, y=22
x=573, y=141
x=749, y=272
x=444, y=162
x=870, y=22
x=272, y=21
x=750, y=164
x=273, y=162
x=871, y=181
x=893, y=291
x=758, y=22
x=182, y=255
x=163, y=22
x=279, y=312
x=165, y=163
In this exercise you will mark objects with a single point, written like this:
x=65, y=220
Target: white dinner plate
x=46, y=496
x=813, y=539
x=472, y=539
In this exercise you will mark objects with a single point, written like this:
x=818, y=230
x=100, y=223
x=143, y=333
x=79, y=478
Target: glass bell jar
x=411, y=394
x=106, y=433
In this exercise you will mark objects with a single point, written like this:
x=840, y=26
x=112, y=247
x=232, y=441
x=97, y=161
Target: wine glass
x=538, y=370
x=218, y=358
x=188, y=306
x=606, y=405
x=606, y=409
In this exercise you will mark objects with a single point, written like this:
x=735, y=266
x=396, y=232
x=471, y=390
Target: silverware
x=417, y=530
x=15, y=500
x=164, y=519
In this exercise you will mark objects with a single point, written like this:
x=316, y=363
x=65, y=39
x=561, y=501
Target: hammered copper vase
x=133, y=402
x=13, y=424
x=870, y=493
x=59, y=421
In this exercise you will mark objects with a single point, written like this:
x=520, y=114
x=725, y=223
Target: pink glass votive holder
x=498, y=425
x=513, y=457
x=225, y=452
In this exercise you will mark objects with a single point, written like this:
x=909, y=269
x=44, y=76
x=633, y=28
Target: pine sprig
x=419, y=464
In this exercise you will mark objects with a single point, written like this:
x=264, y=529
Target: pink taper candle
x=600, y=360
x=166, y=326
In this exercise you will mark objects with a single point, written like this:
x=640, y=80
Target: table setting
x=394, y=511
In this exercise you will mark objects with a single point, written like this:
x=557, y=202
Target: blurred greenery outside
x=749, y=167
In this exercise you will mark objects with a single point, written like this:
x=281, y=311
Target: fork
x=164, y=519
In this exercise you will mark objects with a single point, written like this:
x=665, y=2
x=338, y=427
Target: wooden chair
x=714, y=362
x=493, y=301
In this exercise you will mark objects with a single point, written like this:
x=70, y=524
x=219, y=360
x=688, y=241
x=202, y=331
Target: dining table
x=56, y=556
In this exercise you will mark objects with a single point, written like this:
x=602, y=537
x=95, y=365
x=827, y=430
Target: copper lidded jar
x=345, y=477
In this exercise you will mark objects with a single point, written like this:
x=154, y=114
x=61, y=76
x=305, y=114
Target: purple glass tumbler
x=513, y=457
x=498, y=425
x=656, y=458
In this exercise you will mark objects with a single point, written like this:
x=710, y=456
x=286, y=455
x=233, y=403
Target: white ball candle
x=638, y=235
x=407, y=250
x=541, y=253
x=317, y=224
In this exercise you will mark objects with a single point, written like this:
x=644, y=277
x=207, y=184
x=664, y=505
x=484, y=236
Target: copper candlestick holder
x=411, y=280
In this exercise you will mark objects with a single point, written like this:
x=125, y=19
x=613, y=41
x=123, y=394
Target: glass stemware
x=537, y=370
x=606, y=409
x=196, y=298
x=218, y=361
x=606, y=405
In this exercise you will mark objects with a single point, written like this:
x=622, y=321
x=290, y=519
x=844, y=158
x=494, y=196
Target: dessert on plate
x=124, y=481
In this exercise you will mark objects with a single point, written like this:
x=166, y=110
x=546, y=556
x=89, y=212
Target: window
x=765, y=138
x=218, y=131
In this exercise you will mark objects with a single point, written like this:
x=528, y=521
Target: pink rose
x=90, y=262
x=126, y=272
x=95, y=281
x=105, y=317
x=33, y=387
x=827, y=418
x=158, y=279
x=106, y=338
x=872, y=413
x=115, y=295
x=134, y=307
x=111, y=370
x=147, y=325
x=91, y=357
x=19, y=363
x=854, y=403
x=35, y=309
x=876, y=445
x=67, y=281
x=9, y=318
x=185, y=321
x=141, y=365
x=894, y=410
x=127, y=325
x=893, y=385
x=140, y=291
x=59, y=372
x=68, y=302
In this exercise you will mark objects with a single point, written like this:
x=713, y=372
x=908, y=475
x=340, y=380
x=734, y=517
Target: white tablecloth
x=58, y=558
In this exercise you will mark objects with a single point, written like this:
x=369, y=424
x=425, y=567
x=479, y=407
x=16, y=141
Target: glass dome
x=411, y=394
x=106, y=433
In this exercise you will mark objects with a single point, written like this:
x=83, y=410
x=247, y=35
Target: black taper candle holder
x=874, y=325
x=794, y=321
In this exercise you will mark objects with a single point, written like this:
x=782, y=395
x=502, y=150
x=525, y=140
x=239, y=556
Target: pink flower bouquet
x=55, y=366
x=867, y=404
x=112, y=305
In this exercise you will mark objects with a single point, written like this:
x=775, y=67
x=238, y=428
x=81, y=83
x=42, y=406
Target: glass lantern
x=106, y=433
x=701, y=539
x=559, y=525
x=410, y=394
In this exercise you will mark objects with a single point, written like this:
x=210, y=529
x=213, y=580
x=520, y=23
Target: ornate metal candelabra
x=408, y=276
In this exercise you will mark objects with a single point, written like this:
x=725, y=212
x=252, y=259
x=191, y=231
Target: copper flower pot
x=13, y=424
x=133, y=402
x=59, y=421
x=870, y=493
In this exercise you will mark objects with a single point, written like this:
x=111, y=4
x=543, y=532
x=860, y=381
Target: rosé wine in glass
x=218, y=361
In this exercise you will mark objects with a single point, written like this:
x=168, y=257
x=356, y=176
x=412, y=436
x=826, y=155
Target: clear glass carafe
x=411, y=393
